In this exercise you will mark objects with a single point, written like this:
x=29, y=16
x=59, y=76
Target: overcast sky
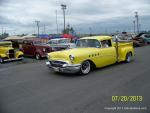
x=18, y=16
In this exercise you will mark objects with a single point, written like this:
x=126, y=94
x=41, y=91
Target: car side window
x=27, y=43
x=50, y=42
x=106, y=43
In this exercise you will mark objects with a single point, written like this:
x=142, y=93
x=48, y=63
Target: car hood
x=76, y=52
x=5, y=49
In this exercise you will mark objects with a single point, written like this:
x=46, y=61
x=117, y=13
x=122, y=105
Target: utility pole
x=139, y=27
x=2, y=32
x=56, y=22
x=90, y=29
x=134, y=26
x=37, y=23
x=63, y=6
x=137, y=21
x=44, y=29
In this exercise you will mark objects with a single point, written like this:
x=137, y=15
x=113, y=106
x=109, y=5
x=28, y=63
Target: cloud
x=20, y=16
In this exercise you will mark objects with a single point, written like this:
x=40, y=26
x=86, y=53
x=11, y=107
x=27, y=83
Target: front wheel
x=128, y=57
x=1, y=60
x=85, y=67
x=37, y=56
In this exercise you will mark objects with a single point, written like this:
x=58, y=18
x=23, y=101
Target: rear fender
x=123, y=52
x=126, y=52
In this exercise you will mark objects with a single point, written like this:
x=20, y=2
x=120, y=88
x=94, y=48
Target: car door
x=107, y=53
x=31, y=49
x=28, y=48
x=25, y=47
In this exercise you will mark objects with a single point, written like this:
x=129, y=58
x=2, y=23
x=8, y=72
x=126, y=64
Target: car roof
x=98, y=37
x=59, y=38
x=32, y=39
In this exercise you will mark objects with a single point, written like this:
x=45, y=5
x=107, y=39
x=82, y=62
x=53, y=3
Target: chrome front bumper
x=66, y=68
x=13, y=59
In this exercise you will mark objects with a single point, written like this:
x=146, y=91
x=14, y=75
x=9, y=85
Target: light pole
x=56, y=22
x=90, y=29
x=2, y=32
x=63, y=6
x=139, y=28
x=37, y=23
x=134, y=26
x=44, y=29
x=137, y=21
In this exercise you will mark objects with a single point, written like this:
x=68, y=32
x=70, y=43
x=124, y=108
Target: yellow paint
x=5, y=47
x=99, y=56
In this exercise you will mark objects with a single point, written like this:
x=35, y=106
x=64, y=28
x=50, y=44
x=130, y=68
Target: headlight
x=7, y=53
x=68, y=46
x=71, y=57
x=48, y=57
x=44, y=49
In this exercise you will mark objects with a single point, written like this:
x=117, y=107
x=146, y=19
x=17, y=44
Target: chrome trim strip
x=13, y=59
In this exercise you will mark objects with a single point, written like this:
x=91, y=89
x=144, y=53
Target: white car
x=61, y=43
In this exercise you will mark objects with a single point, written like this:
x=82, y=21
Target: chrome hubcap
x=129, y=58
x=1, y=60
x=37, y=56
x=85, y=68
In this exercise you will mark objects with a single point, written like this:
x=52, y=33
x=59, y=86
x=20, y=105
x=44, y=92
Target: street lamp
x=2, y=32
x=56, y=22
x=134, y=26
x=37, y=22
x=139, y=28
x=137, y=20
x=63, y=6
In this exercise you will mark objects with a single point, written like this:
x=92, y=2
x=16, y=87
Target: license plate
x=56, y=69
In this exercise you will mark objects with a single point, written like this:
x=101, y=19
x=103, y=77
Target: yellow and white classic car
x=91, y=52
x=8, y=53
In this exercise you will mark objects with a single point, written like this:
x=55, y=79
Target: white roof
x=29, y=36
x=60, y=39
x=18, y=37
x=13, y=38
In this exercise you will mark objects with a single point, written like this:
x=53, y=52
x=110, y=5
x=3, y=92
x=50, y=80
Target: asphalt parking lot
x=28, y=86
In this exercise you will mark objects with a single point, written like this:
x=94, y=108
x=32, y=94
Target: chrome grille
x=57, y=63
x=11, y=53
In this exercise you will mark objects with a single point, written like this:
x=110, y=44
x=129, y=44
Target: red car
x=35, y=48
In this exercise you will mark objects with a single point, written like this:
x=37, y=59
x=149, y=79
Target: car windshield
x=53, y=42
x=88, y=43
x=63, y=41
x=37, y=42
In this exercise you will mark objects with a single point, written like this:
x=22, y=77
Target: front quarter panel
x=3, y=55
x=18, y=54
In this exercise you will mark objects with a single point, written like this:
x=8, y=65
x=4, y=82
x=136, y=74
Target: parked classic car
x=61, y=44
x=141, y=39
x=91, y=52
x=8, y=53
x=145, y=37
x=137, y=40
x=35, y=48
x=122, y=37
